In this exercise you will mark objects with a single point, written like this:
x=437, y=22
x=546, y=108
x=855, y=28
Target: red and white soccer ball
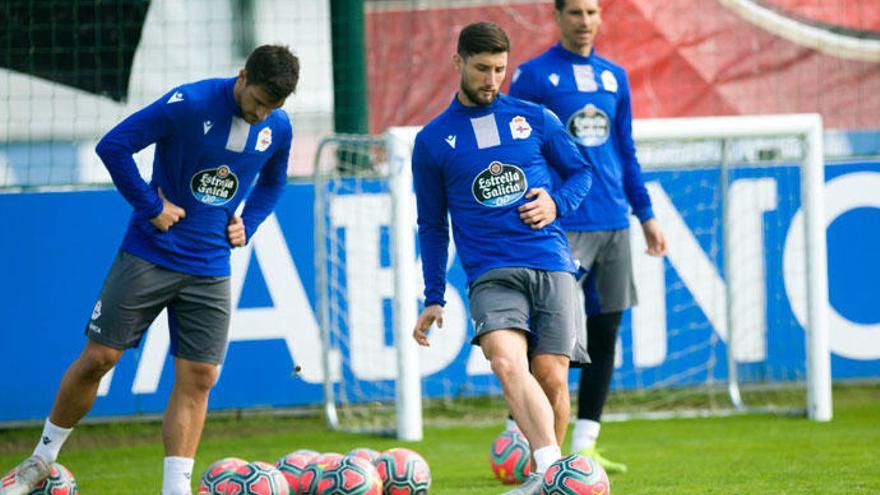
x=576, y=474
x=510, y=457
x=213, y=480
x=257, y=478
x=59, y=482
x=364, y=453
x=293, y=465
x=403, y=472
x=349, y=476
x=311, y=475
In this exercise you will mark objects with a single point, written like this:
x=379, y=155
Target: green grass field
x=732, y=455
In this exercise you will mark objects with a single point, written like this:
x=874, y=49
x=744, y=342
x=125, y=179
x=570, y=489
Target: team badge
x=590, y=126
x=264, y=139
x=499, y=184
x=520, y=128
x=609, y=82
x=214, y=186
x=554, y=79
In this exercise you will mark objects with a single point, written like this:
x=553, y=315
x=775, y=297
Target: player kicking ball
x=486, y=161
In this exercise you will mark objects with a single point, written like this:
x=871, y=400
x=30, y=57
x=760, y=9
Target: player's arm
x=433, y=236
x=144, y=127
x=264, y=196
x=633, y=183
x=565, y=158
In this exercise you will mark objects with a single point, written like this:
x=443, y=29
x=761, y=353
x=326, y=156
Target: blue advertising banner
x=58, y=247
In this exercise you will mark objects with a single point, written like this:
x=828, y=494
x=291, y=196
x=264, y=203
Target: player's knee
x=96, y=361
x=551, y=378
x=200, y=378
x=505, y=367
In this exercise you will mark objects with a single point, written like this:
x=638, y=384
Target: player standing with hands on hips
x=591, y=96
x=485, y=161
x=213, y=138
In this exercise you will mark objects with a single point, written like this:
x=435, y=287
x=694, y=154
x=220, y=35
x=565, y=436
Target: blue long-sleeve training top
x=477, y=164
x=206, y=161
x=591, y=96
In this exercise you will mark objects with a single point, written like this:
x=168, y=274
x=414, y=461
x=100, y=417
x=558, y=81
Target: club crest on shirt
x=520, y=128
x=264, y=139
x=499, y=184
x=214, y=186
x=609, y=81
x=590, y=126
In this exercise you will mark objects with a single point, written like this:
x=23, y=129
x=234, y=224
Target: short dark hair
x=273, y=68
x=559, y=4
x=482, y=37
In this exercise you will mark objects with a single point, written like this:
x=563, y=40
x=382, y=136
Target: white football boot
x=24, y=477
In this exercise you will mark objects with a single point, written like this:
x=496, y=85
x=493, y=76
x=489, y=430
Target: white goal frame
x=810, y=128
x=398, y=143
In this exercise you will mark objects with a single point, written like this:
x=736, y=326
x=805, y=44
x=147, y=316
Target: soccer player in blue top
x=591, y=96
x=486, y=163
x=218, y=141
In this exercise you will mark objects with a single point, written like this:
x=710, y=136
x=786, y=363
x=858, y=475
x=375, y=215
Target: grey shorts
x=543, y=304
x=609, y=286
x=135, y=292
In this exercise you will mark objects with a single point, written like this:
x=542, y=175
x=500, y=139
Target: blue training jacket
x=477, y=164
x=591, y=96
x=206, y=161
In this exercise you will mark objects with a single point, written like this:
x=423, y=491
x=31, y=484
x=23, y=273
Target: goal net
x=731, y=320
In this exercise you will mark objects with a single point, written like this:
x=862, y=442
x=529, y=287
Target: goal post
x=365, y=258
x=810, y=129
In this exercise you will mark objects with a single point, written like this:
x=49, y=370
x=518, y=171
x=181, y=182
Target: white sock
x=511, y=425
x=585, y=433
x=51, y=440
x=545, y=456
x=177, y=478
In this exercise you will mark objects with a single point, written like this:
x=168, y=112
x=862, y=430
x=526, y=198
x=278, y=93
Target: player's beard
x=474, y=95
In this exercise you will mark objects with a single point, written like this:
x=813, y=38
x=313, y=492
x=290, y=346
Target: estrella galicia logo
x=499, y=184
x=214, y=186
x=590, y=126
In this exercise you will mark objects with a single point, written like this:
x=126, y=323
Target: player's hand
x=235, y=231
x=430, y=315
x=654, y=238
x=171, y=214
x=539, y=212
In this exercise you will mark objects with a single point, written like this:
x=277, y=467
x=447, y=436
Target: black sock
x=596, y=376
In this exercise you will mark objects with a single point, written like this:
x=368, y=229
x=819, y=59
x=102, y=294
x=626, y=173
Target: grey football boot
x=531, y=486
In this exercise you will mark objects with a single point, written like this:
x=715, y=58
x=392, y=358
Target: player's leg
x=133, y=294
x=198, y=320
x=79, y=386
x=507, y=352
x=595, y=379
x=183, y=422
x=608, y=291
x=500, y=310
x=551, y=372
x=557, y=321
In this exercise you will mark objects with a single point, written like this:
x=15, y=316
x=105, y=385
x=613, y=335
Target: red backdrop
x=684, y=57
